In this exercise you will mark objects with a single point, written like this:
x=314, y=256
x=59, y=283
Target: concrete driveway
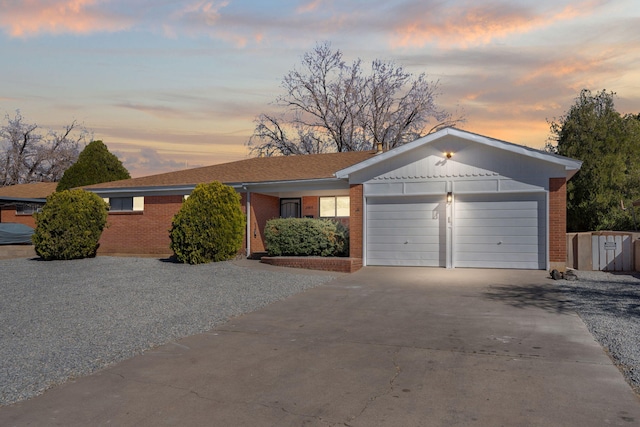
x=381, y=347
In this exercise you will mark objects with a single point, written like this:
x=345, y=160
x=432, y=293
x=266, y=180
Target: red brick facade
x=356, y=222
x=8, y=214
x=342, y=265
x=263, y=208
x=557, y=223
x=145, y=232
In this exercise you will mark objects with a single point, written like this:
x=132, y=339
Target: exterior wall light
x=449, y=197
x=448, y=154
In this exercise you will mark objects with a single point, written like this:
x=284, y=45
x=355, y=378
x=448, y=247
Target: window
x=28, y=209
x=335, y=206
x=125, y=204
x=121, y=203
x=290, y=208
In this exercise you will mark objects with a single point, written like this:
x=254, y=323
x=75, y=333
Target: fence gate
x=612, y=252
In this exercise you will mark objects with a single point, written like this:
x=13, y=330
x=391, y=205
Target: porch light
x=449, y=197
x=448, y=154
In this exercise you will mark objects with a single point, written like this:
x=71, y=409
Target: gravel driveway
x=63, y=319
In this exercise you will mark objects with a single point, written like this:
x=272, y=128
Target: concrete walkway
x=381, y=347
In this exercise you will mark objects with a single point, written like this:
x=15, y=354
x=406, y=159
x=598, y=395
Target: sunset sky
x=169, y=84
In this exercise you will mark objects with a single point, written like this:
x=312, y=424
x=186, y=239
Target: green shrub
x=70, y=225
x=95, y=165
x=306, y=237
x=209, y=226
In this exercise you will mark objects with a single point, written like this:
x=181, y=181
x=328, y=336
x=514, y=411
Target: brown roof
x=34, y=190
x=258, y=169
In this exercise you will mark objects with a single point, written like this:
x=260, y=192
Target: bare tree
x=27, y=155
x=331, y=106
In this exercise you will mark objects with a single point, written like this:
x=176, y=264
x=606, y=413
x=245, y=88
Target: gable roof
x=571, y=165
x=254, y=170
x=32, y=192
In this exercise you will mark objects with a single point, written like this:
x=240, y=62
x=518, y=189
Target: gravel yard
x=64, y=319
x=609, y=304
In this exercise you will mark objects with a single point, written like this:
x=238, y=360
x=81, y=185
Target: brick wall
x=558, y=223
x=263, y=208
x=145, y=232
x=8, y=214
x=311, y=206
x=355, y=228
x=342, y=265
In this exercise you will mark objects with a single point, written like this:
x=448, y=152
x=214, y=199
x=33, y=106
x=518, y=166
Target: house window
x=290, y=208
x=335, y=206
x=125, y=204
x=121, y=203
x=28, y=209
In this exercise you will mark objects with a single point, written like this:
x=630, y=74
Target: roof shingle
x=254, y=170
x=34, y=190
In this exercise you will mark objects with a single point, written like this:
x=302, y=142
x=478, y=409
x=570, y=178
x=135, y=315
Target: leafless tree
x=331, y=106
x=27, y=155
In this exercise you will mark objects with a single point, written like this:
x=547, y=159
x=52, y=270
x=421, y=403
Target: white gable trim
x=571, y=166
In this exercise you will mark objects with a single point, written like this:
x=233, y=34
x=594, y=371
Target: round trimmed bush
x=209, y=226
x=70, y=225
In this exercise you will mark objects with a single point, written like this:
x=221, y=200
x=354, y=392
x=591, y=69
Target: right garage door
x=500, y=231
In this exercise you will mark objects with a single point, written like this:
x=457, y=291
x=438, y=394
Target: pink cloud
x=477, y=25
x=310, y=6
x=32, y=17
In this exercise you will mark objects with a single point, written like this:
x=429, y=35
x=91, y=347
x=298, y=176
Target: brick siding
x=342, y=265
x=263, y=208
x=355, y=229
x=8, y=214
x=145, y=232
x=557, y=222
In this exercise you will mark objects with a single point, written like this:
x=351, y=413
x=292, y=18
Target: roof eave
x=188, y=188
x=571, y=165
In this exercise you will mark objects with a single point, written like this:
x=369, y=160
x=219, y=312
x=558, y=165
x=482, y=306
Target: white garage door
x=406, y=231
x=500, y=231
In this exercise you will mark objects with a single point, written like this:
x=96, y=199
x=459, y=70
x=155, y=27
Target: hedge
x=306, y=237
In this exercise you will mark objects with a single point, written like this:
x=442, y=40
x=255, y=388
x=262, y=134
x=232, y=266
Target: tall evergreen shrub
x=209, y=226
x=95, y=165
x=70, y=225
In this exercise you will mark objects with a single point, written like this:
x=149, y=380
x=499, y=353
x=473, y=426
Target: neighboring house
x=19, y=202
x=449, y=199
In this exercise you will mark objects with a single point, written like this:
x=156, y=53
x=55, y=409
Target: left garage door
x=406, y=231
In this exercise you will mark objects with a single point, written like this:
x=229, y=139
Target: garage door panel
x=531, y=239
x=520, y=249
x=402, y=224
x=489, y=257
x=500, y=231
x=463, y=232
x=389, y=231
x=497, y=222
x=405, y=231
x=487, y=213
x=389, y=215
x=519, y=265
x=400, y=240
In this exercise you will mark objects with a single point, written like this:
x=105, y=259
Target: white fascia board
x=241, y=187
x=571, y=166
x=143, y=191
x=296, y=185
